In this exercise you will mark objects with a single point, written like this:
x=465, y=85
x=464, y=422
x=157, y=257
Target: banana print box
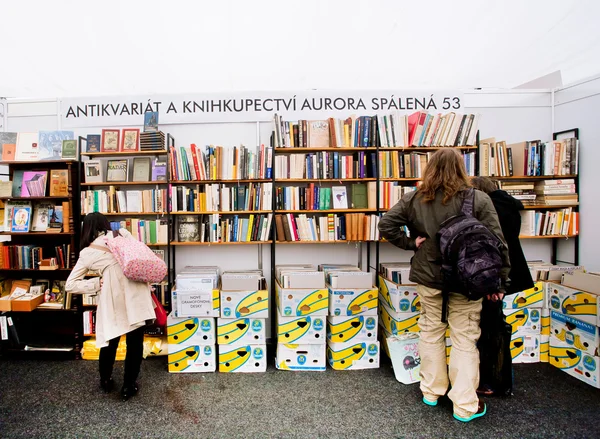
x=544, y=348
x=579, y=304
x=576, y=363
x=531, y=298
x=191, y=358
x=301, y=330
x=241, y=331
x=525, y=348
x=248, y=358
x=200, y=310
x=352, y=302
x=524, y=320
x=236, y=304
x=545, y=321
x=300, y=357
x=399, y=298
x=351, y=329
x=190, y=330
x=353, y=356
x=302, y=302
x=398, y=322
x=579, y=334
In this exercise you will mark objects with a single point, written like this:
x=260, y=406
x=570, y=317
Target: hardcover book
x=27, y=147
x=59, y=183
x=17, y=183
x=93, y=143
x=51, y=144
x=55, y=221
x=8, y=152
x=117, y=170
x=151, y=121
x=141, y=169
x=39, y=222
x=34, y=184
x=110, y=140
x=69, y=149
x=21, y=219
x=159, y=169
x=318, y=133
x=340, y=197
x=5, y=189
x=7, y=139
x=94, y=172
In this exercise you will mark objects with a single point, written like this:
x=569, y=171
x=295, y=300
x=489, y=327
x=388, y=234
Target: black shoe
x=107, y=385
x=129, y=391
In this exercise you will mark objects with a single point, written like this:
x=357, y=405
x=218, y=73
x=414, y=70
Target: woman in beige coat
x=124, y=306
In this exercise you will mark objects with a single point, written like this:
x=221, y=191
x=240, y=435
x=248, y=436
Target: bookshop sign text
x=250, y=106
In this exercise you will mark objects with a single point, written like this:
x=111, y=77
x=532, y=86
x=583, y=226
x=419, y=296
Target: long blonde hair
x=445, y=170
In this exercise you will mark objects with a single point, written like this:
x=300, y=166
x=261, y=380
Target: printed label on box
x=353, y=356
x=241, y=331
x=351, y=302
x=191, y=330
x=531, y=298
x=576, y=363
x=399, y=298
x=300, y=357
x=353, y=328
x=579, y=334
x=236, y=304
x=581, y=305
x=205, y=310
x=249, y=358
x=525, y=320
x=302, y=302
x=525, y=348
x=186, y=359
x=301, y=330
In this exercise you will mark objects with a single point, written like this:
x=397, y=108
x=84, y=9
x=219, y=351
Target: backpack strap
x=97, y=247
x=468, y=204
x=445, y=296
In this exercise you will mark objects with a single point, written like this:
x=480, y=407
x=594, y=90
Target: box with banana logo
x=190, y=330
x=525, y=347
x=524, y=320
x=398, y=297
x=302, y=301
x=577, y=333
x=188, y=303
x=236, y=304
x=351, y=328
x=544, y=348
x=545, y=321
x=300, y=357
x=353, y=355
x=531, y=298
x=300, y=330
x=398, y=322
x=241, y=331
x=575, y=362
x=579, y=304
x=246, y=358
x=192, y=358
x=352, y=302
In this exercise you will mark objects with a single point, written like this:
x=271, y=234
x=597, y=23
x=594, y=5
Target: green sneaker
x=430, y=403
x=482, y=409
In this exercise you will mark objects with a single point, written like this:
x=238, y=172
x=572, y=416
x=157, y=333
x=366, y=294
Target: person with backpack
x=124, y=306
x=460, y=256
x=494, y=344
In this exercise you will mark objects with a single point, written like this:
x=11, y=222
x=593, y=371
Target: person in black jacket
x=494, y=344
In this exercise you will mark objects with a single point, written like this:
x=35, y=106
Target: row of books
x=390, y=192
x=191, y=163
x=389, y=130
x=144, y=170
x=551, y=223
x=146, y=231
x=29, y=257
x=220, y=197
x=397, y=164
x=531, y=158
x=89, y=322
x=118, y=201
x=25, y=184
x=152, y=141
x=42, y=145
x=317, y=197
x=21, y=216
x=397, y=272
x=333, y=227
x=325, y=165
x=215, y=228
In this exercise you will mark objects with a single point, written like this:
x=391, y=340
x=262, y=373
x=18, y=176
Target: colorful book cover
x=69, y=149
x=34, y=184
x=151, y=121
x=55, y=216
x=93, y=143
x=21, y=219
x=51, y=144
x=159, y=170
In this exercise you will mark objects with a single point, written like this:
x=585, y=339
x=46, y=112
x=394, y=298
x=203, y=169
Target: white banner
x=250, y=106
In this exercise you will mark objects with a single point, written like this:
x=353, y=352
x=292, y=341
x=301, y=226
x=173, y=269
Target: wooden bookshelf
x=425, y=148
x=549, y=206
x=321, y=180
x=158, y=244
x=230, y=212
x=54, y=197
x=38, y=163
x=129, y=213
x=372, y=149
x=123, y=153
x=328, y=211
x=36, y=234
x=547, y=236
x=534, y=177
x=402, y=179
x=126, y=183
x=36, y=270
x=324, y=242
x=323, y=148
x=256, y=180
x=208, y=244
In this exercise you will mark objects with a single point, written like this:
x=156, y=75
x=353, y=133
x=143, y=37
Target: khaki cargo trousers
x=463, y=371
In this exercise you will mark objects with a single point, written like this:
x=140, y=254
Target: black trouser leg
x=107, y=359
x=133, y=359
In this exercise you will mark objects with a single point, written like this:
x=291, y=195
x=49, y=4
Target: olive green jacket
x=423, y=220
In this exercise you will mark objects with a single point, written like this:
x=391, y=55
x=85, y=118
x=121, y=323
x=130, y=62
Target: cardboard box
x=248, y=358
x=527, y=320
x=5, y=303
x=241, y=332
x=309, y=357
x=575, y=303
x=576, y=363
x=581, y=335
x=354, y=328
x=236, y=304
x=353, y=301
x=28, y=304
x=400, y=298
x=544, y=348
x=525, y=348
x=190, y=330
x=404, y=352
x=300, y=330
x=302, y=302
x=192, y=358
x=353, y=356
x=545, y=322
x=578, y=280
x=398, y=322
x=186, y=303
x=350, y=279
x=531, y=298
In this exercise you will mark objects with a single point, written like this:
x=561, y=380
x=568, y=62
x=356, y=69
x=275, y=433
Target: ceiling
x=73, y=48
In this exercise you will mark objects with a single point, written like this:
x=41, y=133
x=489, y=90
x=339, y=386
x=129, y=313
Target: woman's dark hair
x=93, y=224
x=485, y=184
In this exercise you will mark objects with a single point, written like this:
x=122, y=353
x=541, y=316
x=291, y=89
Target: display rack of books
x=39, y=220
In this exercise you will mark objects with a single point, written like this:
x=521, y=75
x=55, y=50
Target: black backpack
x=471, y=255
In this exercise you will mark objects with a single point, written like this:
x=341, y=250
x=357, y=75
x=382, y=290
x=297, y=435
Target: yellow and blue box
x=524, y=320
x=236, y=304
x=351, y=328
x=202, y=305
x=307, y=357
x=353, y=356
x=241, y=331
x=531, y=298
x=577, y=333
x=398, y=297
x=544, y=348
x=246, y=358
x=192, y=358
x=398, y=322
x=525, y=347
x=575, y=362
x=545, y=322
x=578, y=304
x=302, y=301
x=353, y=301
x=300, y=330
x=190, y=330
